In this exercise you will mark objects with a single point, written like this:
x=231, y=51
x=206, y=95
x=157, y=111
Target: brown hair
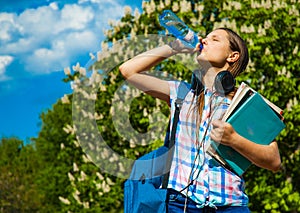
x=236, y=43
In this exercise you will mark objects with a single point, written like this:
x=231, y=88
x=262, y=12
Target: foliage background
x=54, y=174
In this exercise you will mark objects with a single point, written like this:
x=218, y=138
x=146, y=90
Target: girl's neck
x=210, y=75
x=209, y=78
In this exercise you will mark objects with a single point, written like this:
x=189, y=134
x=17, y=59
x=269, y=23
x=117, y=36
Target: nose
x=204, y=41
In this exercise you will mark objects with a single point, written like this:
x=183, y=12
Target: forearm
x=264, y=156
x=146, y=60
x=133, y=68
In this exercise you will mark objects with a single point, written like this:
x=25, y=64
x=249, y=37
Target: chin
x=201, y=59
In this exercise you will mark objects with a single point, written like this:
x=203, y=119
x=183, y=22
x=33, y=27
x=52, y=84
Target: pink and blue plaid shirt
x=193, y=171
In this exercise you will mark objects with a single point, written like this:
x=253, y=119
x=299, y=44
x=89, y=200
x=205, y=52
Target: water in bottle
x=179, y=29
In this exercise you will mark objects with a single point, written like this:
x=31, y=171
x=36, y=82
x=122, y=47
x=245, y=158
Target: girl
x=197, y=182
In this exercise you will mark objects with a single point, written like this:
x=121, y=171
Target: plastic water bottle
x=179, y=29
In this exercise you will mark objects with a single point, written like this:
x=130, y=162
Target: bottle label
x=189, y=36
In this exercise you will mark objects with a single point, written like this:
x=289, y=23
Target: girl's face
x=215, y=50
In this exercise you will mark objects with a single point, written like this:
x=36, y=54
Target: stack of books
x=253, y=117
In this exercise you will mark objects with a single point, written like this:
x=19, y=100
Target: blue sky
x=38, y=39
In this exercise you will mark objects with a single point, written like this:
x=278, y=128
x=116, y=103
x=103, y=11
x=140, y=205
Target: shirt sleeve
x=174, y=85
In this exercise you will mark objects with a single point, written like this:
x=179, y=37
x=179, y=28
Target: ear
x=233, y=57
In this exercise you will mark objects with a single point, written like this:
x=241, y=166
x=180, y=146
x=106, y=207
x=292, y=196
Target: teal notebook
x=254, y=120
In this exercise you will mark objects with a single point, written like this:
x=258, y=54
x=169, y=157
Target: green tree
x=18, y=167
x=68, y=180
x=52, y=177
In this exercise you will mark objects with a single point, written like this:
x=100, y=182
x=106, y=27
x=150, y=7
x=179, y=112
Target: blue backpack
x=145, y=191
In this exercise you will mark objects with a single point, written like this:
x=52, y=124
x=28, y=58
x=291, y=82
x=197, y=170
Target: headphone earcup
x=224, y=82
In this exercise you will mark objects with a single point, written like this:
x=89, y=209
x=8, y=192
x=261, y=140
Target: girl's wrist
x=170, y=45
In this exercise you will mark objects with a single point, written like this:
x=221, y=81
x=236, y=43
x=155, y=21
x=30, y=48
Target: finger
x=217, y=123
x=215, y=136
x=201, y=40
x=198, y=47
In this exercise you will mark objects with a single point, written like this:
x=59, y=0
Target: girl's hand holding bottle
x=179, y=47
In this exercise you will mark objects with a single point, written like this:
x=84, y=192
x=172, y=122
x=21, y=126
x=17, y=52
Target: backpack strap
x=183, y=90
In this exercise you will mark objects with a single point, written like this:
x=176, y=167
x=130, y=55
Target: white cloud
x=61, y=52
x=49, y=38
x=5, y=60
x=7, y=26
x=38, y=22
x=19, y=47
x=100, y=2
x=75, y=17
x=53, y=5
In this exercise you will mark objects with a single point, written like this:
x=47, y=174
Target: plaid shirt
x=193, y=171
